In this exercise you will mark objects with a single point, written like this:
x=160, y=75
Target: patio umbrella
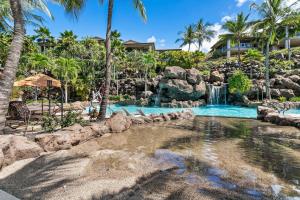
x=39, y=80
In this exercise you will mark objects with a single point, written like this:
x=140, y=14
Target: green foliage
x=115, y=98
x=279, y=65
x=253, y=54
x=239, y=83
x=295, y=99
x=49, y=123
x=282, y=99
x=180, y=58
x=71, y=118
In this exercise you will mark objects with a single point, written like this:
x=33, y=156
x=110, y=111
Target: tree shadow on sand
x=39, y=177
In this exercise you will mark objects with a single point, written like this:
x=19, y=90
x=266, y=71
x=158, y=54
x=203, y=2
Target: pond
x=241, y=158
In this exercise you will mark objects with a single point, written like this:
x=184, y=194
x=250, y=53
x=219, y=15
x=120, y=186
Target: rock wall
x=180, y=85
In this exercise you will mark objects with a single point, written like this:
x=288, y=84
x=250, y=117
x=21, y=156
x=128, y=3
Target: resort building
x=132, y=45
x=226, y=48
x=223, y=47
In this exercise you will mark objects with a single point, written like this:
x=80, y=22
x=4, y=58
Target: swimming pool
x=210, y=110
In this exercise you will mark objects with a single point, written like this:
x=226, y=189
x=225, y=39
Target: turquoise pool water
x=211, y=110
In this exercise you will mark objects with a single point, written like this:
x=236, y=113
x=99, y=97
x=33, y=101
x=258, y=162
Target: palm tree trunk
x=199, y=45
x=239, y=53
x=7, y=77
x=287, y=42
x=108, y=61
x=66, y=92
x=267, y=65
x=189, y=48
x=146, y=75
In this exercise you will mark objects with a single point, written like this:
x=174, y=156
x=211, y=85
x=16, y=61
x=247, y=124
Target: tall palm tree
x=66, y=69
x=203, y=32
x=187, y=37
x=22, y=11
x=138, y=4
x=150, y=62
x=43, y=36
x=238, y=30
x=274, y=14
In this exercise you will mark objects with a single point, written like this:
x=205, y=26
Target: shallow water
x=245, y=156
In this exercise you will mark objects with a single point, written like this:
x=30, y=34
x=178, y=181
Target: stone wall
x=183, y=87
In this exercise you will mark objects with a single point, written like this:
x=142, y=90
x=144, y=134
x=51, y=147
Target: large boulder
x=181, y=90
x=193, y=76
x=287, y=93
x=295, y=78
x=118, y=122
x=64, y=138
x=13, y=148
x=216, y=76
x=289, y=84
x=175, y=73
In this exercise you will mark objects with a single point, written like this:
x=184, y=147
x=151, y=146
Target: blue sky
x=165, y=19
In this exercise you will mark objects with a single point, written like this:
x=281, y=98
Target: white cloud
x=206, y=46
x=226, y=18
x=292, y=2
x=162, y=42
x=240, y=2
x=151, y=39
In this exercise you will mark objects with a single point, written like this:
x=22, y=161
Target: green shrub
x=115, y=98
x=282, y=99
x=295, y=99
x=72, y=118
x=239, y=83
x=126, y=97
x=182, y=59
x=205, y=72
x=49, y=123
x=253, y=54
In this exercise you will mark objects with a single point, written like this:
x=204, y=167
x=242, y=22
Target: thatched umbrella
x=39, y=80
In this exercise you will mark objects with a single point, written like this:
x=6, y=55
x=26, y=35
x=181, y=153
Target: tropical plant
x=66, y=69
x=43, y=37
x=202, y=32
x=138, y=4
x=237, y=31
x=20, y=12
x=187, y=37
x=253, y=55
x=182, y=59
x=150, y=62
x=274, y=14
x=282, y=99
x=239, y=83
x=49, y=123
x=295, y=99
x=71, y=118
x=38, y=62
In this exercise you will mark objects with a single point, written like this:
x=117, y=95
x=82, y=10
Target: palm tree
x=187, y=37
x=22, y=11
x=203, y=32
x=39, y=62
x=238, y=30
x=150, y=62
x=274, y=14
x=43, y=36
x=138, y=4
x=66, y=69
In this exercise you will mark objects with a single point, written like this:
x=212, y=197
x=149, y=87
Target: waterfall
x=217, y=94
x=157, y=97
